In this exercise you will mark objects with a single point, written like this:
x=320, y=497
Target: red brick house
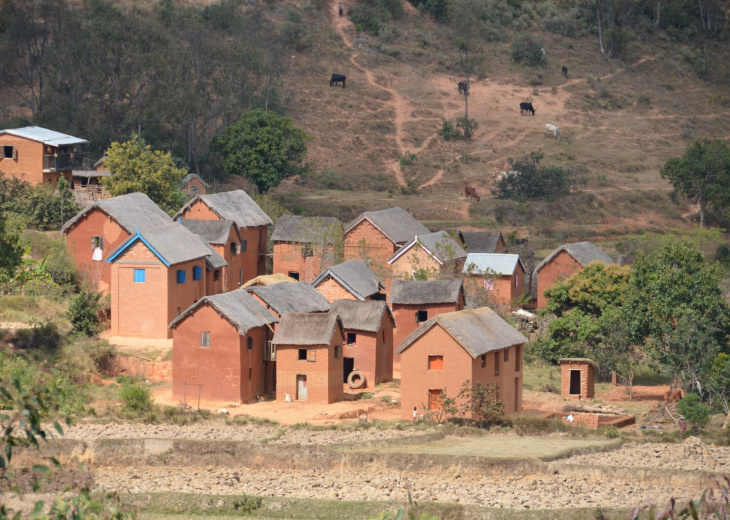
x=577, y=377
x=368, y=345
x=156, y=274
x=501, y=274
x=309, y=357
x=432, y=254
x=377, y=235
x=299, y=242
x=283, y=298
x=224, y=237
x=220, y=349
x=484, y=242
x=102, y=226
x=447, y=350
x=351, y=280
x=251, y=220
x=193, y=185
x=563, y=263
x=415, y=302
x=38, y=155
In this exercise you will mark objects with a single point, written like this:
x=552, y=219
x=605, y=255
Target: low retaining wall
x=115, y=365
x=593, y=421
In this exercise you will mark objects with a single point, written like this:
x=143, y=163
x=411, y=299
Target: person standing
x=415, y=414
x=340, y=9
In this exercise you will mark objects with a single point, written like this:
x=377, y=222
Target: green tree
x=718, y=384
x=263, y=147
x=673, y=304
x=702, y=172
x=696, y=413
x=482, y=401
x=138, y=168
x=527, y=180
x=83, y=312
x=11, y=249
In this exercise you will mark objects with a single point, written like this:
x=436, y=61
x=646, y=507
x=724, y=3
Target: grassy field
x=500, y=447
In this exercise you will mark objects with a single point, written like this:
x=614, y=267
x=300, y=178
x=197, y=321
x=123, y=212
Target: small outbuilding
x=309, y=357
x=577, y=377
x=368, y=327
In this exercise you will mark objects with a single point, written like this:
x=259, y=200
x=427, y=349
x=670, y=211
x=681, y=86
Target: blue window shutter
x=197, y=272
x=181, y=276
x=139, y=276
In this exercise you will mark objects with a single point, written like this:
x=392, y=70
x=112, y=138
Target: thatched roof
x=238, y=307
x=301, y=328
x=215, y=260
x=440, y=245
x=424, y=293
x=395, y=223
x=354, y=276
x=582, y=361
x=232, y=205
x=302, y=230
x=501, y=264
x=482, y=241
x=361, y=315
x=583, y=252
x=268, y=279
x=291, y=297
x=478, y=331
x=172, y=244
x=212, y=231
x=131, y=211
x=190, y=176
x=90, y=174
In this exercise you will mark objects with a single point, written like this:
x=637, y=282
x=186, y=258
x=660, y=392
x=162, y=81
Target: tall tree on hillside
x=11, y=249
x=263, y=147
x=32, y=26
x=702, y=172
x=138, y=168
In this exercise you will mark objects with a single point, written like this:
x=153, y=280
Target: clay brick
x=561, y=267
x=379, y=247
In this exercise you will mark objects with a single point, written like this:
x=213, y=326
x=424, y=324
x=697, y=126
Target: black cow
x=338, y=78
x=565, y=71
x=463, y=87
x=526, y=107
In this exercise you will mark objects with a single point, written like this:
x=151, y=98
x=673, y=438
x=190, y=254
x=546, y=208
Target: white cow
x=552, y=129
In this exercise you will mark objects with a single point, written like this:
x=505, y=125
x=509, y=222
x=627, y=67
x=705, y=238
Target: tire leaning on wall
x=356, y=379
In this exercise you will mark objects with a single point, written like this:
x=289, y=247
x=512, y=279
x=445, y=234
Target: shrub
x=694, y=412
x=528, y=51
x=448, y=131
x=407, y=159
x=482, y=400
x=527, y=180
x=84, y=313
x=136, y=398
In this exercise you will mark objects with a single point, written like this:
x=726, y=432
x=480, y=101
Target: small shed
x=577, y=377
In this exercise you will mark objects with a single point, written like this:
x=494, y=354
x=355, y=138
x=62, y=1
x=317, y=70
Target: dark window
x=518, y=358
x=484, y=361
x=294, y=274
x=302, y=354
x=421, y=316
x=234, y=248
x=338, y=351
x=97, y=241
x=250, y=343
x=216, y=275
x=8, y=152
x=197, y=272
x=378, y=297
x=181, y=275
x=244, y=245
x=496, y=363
x=194, y=189
x=205, y=339
x=240, y=276
x=140, y=276
x=351, y=338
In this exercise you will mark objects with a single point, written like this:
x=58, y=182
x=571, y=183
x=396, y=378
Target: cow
x=338, y=78
x=552, y=129
x=565, y=71
x=463, y=87
x=470, y=192
x=526, y=107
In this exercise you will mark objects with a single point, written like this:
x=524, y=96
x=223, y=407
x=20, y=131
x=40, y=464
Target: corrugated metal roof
x=355, y=276
x=291, y=297
x=395, y=223
x=429, y=292
x=361, y=315
x=302, y=230
x=439, y=244
x=501, y=264
x=45, y=136
x=232, y=205
x=478, y=331
x=301, y=328
x=131, y=211
x=238, y=307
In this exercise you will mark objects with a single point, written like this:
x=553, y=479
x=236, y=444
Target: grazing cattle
x=565, y=71
x=338, y=78
x=552, y=129
x=463, y=87
x=526, y=107
x=470, y=192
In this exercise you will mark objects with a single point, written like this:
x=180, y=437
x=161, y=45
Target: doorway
x=575, y=382
x=348, y=366
x=301, y=388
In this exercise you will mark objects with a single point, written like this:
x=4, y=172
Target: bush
x=527, y=51
x=448, y=131
x=84, y=313
x=527, y=180
x=136, y=398
x=42, y=207
x=694, y=412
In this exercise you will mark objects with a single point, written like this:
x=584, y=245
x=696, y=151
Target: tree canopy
x=527, y=180
x=263, y=147
x=138, y=168
x=702, y=172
